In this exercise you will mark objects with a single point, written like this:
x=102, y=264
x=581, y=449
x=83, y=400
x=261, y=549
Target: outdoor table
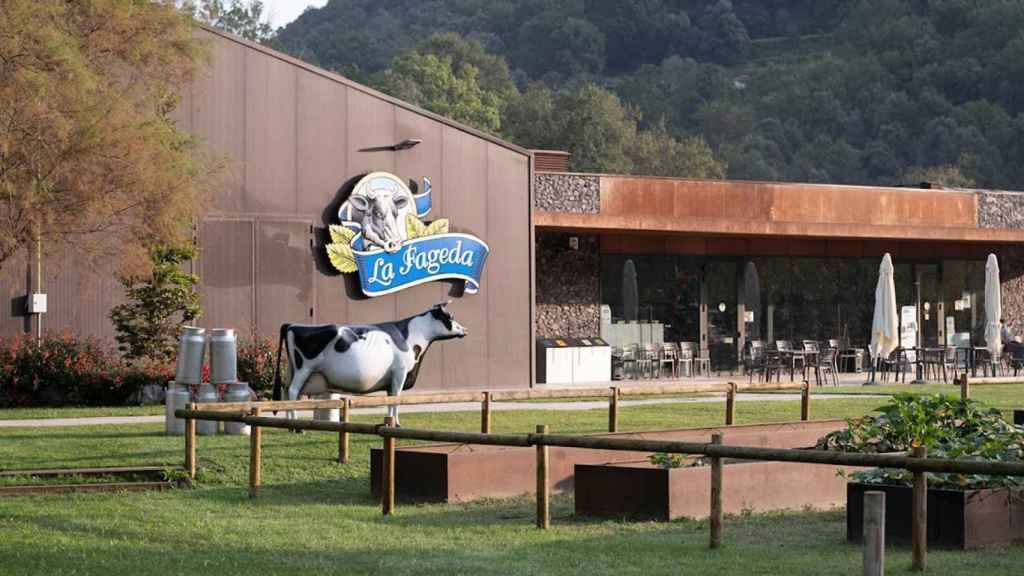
x=974, y=358
x=789, y=357
x=854, y=357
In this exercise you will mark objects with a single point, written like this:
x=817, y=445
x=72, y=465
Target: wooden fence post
x=346, y=408
x=919, y=520
x=255, y=456
x=730, y=405
x=543, y=495
x=965, y=388
x=874, y=533
x=805, y=402
x=190, y=444
x=613, y=410
x=715, y=518
x=485, y=414
x=387, y=492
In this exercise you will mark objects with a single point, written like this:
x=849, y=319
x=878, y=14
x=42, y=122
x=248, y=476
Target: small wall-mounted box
x=37, y=303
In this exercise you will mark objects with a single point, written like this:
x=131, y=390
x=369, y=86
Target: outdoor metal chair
x=630, y=357
x=685, y=359
x=669, y=355
x=649, y=360
x=987, y=361
x=825, y=366
x=699, y=361
x=754, y=360
x=790, y=357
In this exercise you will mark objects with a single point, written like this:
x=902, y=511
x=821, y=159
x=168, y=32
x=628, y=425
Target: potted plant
x=964, y=511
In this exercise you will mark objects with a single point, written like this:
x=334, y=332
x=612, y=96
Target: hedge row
x=61, y=370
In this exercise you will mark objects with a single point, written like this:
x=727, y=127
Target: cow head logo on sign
x=381, y=237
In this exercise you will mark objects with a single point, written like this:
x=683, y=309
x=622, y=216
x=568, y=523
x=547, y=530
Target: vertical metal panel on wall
x=269, y=135
x=226, y=252
x=218, y=116
x=415, y=163
x=371, y=123
x=508, y=307
x=284, y=274
x=79, y=296
x=322, y=168
x=465, y=168
x=14, y=284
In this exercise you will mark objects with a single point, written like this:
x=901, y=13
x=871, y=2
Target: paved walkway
x=441, y=407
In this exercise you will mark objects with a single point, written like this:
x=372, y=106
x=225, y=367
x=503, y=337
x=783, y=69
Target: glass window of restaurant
x=772, y=298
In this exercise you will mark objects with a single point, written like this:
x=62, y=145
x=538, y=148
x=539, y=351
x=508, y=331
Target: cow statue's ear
x=359, y=202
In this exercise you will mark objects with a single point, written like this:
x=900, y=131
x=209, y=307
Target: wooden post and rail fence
x=918, y=462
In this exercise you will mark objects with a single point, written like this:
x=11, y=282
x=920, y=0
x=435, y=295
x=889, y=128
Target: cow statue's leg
x=299, y=379
x=398, y=376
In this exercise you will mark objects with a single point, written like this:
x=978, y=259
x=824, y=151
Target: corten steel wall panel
x=226, y=255
x=698, y=206
x=415, y=163
x=322, y=168
x=79, y=297
x=508, y=317
x=270, y=145
x=371, y=122
x=465, y=169
x=322, y=154
x=218, y=117
x=284, y=274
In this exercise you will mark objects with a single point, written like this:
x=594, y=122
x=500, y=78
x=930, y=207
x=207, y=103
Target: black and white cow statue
x=361, y=359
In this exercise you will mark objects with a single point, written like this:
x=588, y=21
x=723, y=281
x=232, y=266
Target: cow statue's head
x=444, y=324
x=381, y=207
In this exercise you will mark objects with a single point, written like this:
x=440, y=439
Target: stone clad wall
x=568, y=287
x=567, y=193
x=1001, y=210
x=1011, y=276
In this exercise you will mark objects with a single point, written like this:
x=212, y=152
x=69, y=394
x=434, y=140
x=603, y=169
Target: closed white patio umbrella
x=993, y=307
x=885, y=324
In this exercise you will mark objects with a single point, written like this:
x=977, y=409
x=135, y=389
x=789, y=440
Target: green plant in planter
x=947, y=426
x=666, y=460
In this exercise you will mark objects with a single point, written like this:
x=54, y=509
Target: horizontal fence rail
x=935, y=465
x=501, y=396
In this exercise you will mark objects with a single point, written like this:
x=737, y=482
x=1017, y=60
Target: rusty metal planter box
x=465, y=472
x=639, y=490
x=956, y=518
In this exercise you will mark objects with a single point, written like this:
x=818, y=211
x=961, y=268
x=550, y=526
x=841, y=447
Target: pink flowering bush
x=67, y=370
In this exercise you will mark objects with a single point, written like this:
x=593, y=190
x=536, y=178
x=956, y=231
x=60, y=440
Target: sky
x=281, y=12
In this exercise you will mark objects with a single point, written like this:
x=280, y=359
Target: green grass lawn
x=78, y=411
x=1004, y=396
x=316, y=517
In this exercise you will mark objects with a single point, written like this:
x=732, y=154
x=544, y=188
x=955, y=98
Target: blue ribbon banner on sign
x=382, y=238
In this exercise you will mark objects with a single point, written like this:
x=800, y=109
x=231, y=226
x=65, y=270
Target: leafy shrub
x=149, y=323
x=947, y=426
x=65, y=370
x=256, y=359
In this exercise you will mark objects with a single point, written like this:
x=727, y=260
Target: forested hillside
x=849, y=91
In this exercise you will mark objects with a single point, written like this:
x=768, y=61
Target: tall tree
x=89, y=156
x=245, y=18
x=435, y=84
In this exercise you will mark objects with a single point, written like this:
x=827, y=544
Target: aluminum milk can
x=223, y=356
x=178, y=397
x=237, y=392
x=207, y=394
x=190, y=356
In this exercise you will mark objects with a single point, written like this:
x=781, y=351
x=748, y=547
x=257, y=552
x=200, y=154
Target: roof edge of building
x=335, y=77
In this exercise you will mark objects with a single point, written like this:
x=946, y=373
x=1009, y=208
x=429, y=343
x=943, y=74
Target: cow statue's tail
x=277, y=366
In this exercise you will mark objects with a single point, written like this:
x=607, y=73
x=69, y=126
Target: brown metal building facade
x=292, y=135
